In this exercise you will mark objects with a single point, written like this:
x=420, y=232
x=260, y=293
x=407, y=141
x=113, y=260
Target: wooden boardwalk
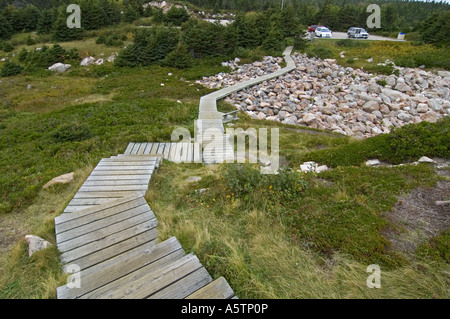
x=108, y=235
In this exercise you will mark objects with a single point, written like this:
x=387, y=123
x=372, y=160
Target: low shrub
x=407, y=143
x=11, y=69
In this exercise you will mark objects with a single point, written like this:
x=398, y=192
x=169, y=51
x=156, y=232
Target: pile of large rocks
x=241, y=73
x=322, y=94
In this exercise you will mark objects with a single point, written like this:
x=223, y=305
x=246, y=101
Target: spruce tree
x=46, y=21
x=5, y=28
x=178, y=58
x=93, y=16
x=61, y=32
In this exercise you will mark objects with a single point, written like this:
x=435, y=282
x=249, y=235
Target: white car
x=323, y=32
x=357, y=33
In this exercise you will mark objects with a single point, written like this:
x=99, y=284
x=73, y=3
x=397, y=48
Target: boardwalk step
x=130, y=264
x=218, y=289
x=154, y=281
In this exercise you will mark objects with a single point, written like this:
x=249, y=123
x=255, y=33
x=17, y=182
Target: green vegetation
x=404, y=144
x=357, y=52
x=290, y=235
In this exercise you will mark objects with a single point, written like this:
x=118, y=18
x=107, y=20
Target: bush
x=403, y=144
x=11, y=69
x=7, y=46
x=300, y=43
x=321, y=52
x=178, y=58
x=72, y=132
x=241, y=179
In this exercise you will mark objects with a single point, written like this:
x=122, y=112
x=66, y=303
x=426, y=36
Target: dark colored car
x=313, y=27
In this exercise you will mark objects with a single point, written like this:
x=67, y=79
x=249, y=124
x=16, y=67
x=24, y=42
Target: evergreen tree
x=61, y=32
x=93, y=16
x=274, y=42
x=112, y=12
x=5, y=28
x=130, y=14
x=11, y=69
x=31, y=16
x=46, y=21
x=435, y=30
x=179, y=58
x=177, y=15
x=290, y=23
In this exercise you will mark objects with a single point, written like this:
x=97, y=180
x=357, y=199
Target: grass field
x=282, y=236
x=357, y=52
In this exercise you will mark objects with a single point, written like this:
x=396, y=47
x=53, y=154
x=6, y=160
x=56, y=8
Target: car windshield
x=324, y=30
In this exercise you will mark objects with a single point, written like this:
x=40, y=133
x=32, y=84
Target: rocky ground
x=324, y=95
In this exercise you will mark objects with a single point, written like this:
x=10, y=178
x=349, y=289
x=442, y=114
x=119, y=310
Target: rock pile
x=241, y=73
x=322, y=94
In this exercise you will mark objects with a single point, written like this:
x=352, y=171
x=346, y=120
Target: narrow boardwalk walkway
x=210, y=120
x=107, y=234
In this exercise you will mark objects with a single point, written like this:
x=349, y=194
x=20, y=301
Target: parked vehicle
x=323, y=32
x=313, y=27
x=357, y=33
x=349, y=31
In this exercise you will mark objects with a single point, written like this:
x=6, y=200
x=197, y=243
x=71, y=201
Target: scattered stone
x=87, y=61
x=63, y=179
x=35, y=244
x=312, y=167
x=59, y=67
x=193, y=179
x=425, y=159
x=373, y=162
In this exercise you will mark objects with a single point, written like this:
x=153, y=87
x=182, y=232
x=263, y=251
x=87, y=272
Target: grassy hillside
x=282, y=236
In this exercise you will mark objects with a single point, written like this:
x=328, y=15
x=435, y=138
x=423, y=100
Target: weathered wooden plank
x=120, y=204
x=136, y=181
x=108, y=290
x=116, y=177
x=160, y=148
x=91, y=260
x=218, y=289
x=185, y=286
x=176, y=154
x=156, y=280
x=145, y=253
x=107, y=241
x=124, y=172
x=88, y=219
x=102, y=223
x=122, y=167
x=129, y=158
x=190, y=153
x=74, y=209
x=121, y=265
x=113, y=188
x=167, y=150
x=197, y=156
x=154, y=149
x=135, y=148
x=98, y=234
x=106, y=194
x=141, y=149
x=127, y=163
x=148, y=147
x=91, y=201
x=129, y=148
